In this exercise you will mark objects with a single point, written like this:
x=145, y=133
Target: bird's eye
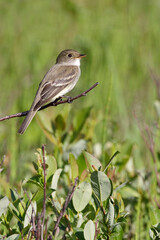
x=70, y=55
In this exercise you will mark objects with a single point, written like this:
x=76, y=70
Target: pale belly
x=67, y=89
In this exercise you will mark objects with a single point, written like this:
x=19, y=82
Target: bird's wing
x=56, y=79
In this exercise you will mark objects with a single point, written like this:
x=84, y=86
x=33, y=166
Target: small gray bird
x=58, y=81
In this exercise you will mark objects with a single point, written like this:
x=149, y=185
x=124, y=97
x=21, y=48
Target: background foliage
x=121, y=40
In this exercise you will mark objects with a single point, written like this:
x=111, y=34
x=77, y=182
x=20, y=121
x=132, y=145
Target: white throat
x=76, y=62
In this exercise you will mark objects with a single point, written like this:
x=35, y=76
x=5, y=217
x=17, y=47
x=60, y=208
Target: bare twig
x=68, y=199
x=44, y=186
x=38, y=232
x=41, y=232
x=52, y=104
x=96, y=230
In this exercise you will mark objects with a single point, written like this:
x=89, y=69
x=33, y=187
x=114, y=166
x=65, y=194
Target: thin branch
x=44, y=187
x=52, y=104
x=38, y=232
x=96, y=230
x=68, y=199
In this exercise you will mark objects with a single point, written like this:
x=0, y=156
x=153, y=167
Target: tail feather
x=27, y=121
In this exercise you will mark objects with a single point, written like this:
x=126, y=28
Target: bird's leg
x=68, y=98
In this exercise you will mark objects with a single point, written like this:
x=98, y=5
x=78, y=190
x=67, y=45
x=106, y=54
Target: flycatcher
x=60, y=79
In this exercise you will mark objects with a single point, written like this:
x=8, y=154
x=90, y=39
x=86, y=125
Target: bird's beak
x=82, y=55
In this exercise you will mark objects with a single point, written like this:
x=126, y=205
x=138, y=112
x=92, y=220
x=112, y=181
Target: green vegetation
x=121, y=40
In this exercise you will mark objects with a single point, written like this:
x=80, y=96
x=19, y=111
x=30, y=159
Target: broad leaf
x=89, y=230
x=32, y=210
x=52, y=165
x=74, y=166
x=117, y=232
x=82, y=196
x=13, y=237
x=81, y=164
x=154, y=215
x=101, y=185
x=92, y=162
x=4, y=202
x=55, y=181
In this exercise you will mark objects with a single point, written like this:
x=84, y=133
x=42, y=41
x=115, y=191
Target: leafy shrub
x=93, y=212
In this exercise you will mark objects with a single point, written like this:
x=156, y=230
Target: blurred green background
x=121, y=40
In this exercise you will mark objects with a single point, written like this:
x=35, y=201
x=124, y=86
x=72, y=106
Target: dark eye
x=70, y=55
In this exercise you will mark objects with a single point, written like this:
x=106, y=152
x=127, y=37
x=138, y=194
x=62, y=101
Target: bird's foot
x=69, y=99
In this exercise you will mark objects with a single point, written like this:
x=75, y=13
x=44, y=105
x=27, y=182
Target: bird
x=59, y=80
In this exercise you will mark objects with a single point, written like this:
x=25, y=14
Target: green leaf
x=79, y=121
x=4, y=202
x=13, y=237
x=60, y=123
x=89, y=230
x=81, y=164
x=36, y=180
x=13, y=210
x=79, y=233
x=151, y=234
x=154, y=215
x=117, y=232
x=110, y=214
x=52, y=165
x=110, y=160
x=101, y=185
x=90, y=211
x=16, y=203
x=82, y=196
x=14, y=195
x=74, y=166
x=92, y=162
x=154, y=232
x=25, y=231
x=32, y=210
x=129, y=191
x=39, y=195
x=55, y=181
x=35, y=166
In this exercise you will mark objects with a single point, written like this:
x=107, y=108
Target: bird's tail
x=27, y=121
